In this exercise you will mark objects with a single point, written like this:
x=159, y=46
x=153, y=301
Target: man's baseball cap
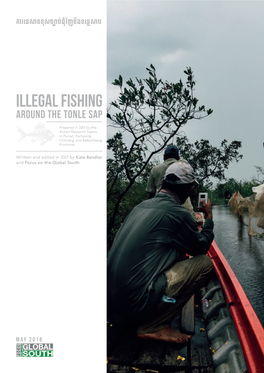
x=171, y=149
x=180, y=173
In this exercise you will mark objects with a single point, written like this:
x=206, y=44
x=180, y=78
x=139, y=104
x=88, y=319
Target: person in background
x=171, y=155
x=148, y=283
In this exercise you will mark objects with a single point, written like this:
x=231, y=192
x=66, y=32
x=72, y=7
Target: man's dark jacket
x=150, y=241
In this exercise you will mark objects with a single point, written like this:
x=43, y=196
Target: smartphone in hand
x=204, y=197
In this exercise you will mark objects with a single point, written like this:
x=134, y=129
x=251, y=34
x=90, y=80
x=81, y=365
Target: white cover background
x=52, y=218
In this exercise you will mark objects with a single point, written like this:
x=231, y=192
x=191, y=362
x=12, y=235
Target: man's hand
x=206, y=209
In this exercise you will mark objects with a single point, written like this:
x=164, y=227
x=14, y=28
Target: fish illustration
x=40, y=133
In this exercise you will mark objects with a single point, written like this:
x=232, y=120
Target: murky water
x=244, y=253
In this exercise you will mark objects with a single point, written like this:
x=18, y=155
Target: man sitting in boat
x=171, y=155
x=145, y=273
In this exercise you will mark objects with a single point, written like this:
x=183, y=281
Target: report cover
x=53, y=155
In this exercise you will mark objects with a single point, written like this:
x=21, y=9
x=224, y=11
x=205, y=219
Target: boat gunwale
x=249, y=329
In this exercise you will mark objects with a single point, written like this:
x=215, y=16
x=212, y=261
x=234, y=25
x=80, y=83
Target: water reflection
x=240, y=229
x=244, y=253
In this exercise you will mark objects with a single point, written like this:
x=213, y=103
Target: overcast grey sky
x=223, y=43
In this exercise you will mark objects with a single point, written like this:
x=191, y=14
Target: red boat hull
x=248, y=326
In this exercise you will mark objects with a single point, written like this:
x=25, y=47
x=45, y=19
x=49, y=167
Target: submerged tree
x=260, y=171
x=152, y=112
x=207, y=160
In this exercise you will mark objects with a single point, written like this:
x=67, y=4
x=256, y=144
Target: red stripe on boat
x=249, y=329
